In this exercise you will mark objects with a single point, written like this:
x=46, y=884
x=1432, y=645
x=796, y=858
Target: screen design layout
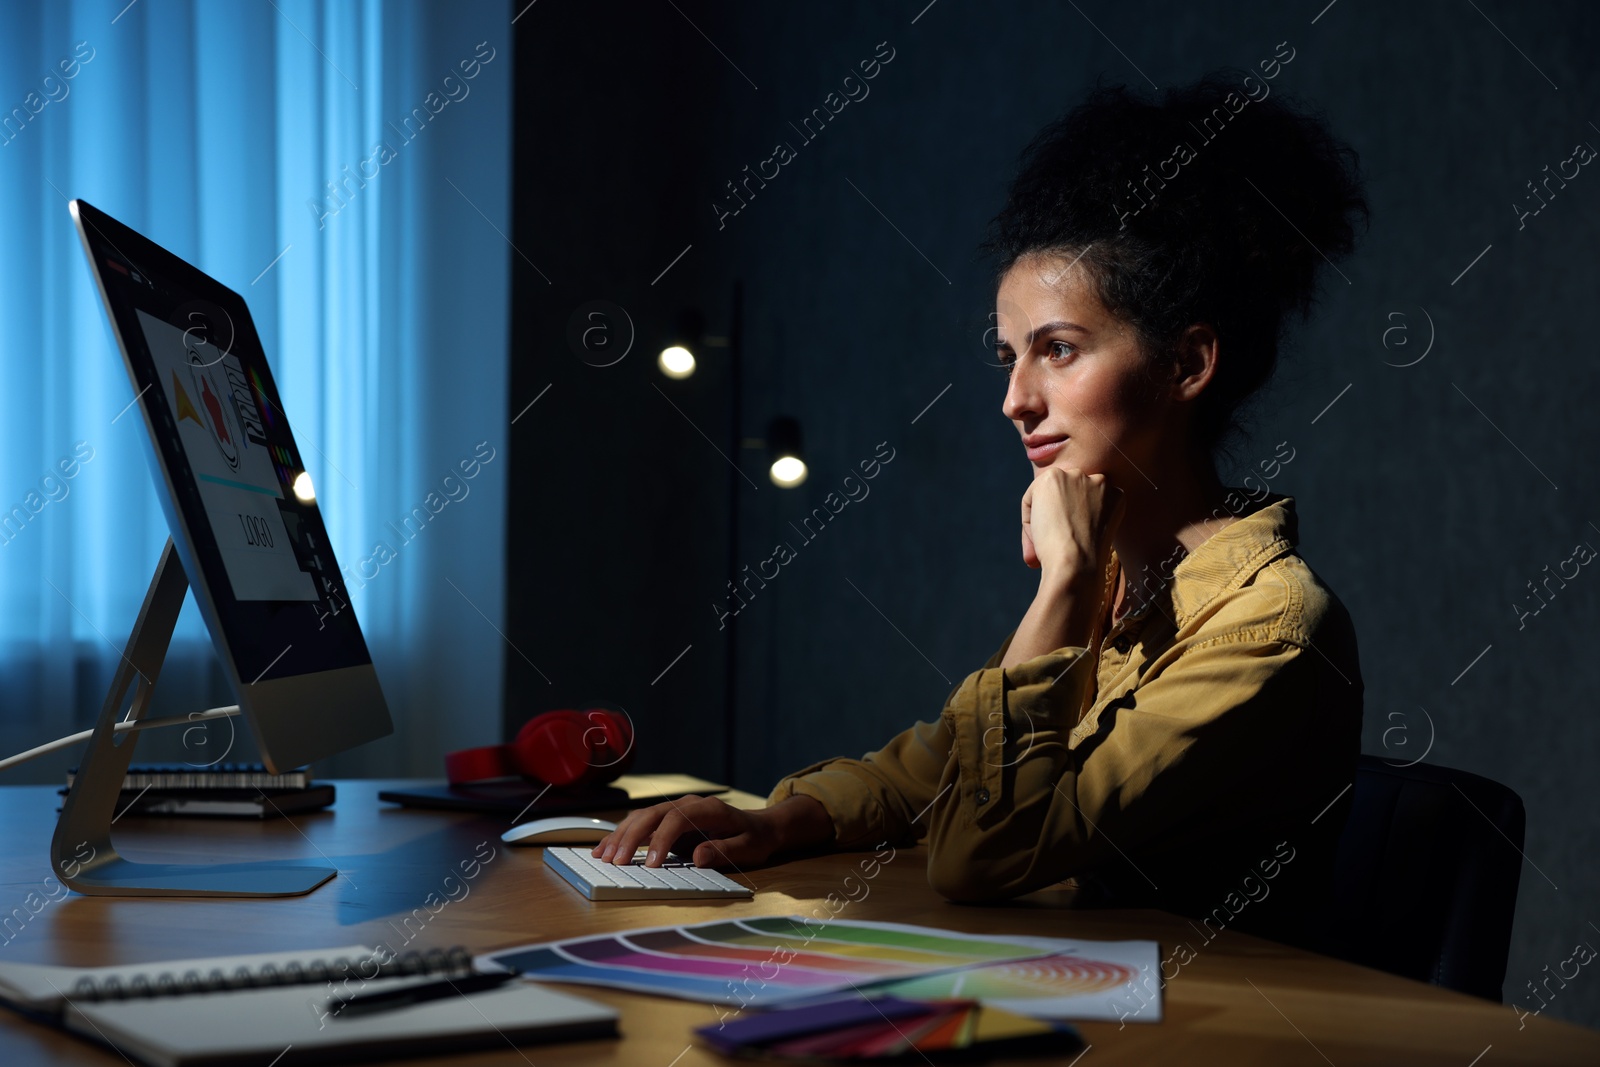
x=239, y=487
x=245, y=482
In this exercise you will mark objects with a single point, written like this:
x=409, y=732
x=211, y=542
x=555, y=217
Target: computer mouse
x=562, y=830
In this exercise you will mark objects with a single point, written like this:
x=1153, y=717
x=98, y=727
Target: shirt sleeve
x=885, y=795
x=1225, y=733
x=1220, y=736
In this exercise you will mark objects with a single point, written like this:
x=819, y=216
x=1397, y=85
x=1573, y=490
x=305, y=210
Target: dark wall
x=1430, y=495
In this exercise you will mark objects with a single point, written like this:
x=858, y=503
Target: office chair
x=1426, y=881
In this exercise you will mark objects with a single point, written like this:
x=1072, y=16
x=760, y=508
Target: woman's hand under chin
x=1069, y=520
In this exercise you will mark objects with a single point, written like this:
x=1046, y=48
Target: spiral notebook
x=282, y=1007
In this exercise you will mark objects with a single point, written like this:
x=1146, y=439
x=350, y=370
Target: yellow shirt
x=1218, y=738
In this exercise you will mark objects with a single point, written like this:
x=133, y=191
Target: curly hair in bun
x=1213, y=203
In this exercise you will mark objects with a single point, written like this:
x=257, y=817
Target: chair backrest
x=1426, y=882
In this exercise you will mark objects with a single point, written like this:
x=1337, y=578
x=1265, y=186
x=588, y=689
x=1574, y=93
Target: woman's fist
x=1069, y=519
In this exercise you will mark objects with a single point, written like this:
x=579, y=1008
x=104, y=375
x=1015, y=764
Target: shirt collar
x=1229, y=557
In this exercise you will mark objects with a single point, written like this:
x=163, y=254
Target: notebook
x=224, y=803
x=215, y=776
x=254, y=1009
x=523, y=799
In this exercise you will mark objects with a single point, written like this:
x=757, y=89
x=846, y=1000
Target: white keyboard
x=672, y=880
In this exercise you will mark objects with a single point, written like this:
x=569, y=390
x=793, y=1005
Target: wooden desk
x=1241, y=1001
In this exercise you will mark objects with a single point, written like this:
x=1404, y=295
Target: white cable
x=140, y=724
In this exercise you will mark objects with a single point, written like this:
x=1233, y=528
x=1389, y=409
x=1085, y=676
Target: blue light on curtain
x=336, y=165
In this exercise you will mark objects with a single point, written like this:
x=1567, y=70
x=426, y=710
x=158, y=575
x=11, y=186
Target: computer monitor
x=246, y=535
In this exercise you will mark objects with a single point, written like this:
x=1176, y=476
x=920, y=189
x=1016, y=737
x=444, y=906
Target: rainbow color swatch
x=1117, y=982
x=764, y=961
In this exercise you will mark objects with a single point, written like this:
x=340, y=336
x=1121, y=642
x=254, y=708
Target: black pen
x=388, y=999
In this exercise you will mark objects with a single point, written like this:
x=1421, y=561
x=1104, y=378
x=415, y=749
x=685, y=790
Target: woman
x=1175, y=720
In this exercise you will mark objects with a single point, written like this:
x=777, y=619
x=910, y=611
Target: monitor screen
x=242, y=509
x=233, y=454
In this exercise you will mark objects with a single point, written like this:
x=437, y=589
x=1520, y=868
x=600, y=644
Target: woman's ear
x=1195, y=361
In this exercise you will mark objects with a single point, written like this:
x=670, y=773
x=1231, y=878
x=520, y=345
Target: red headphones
x=561, y=747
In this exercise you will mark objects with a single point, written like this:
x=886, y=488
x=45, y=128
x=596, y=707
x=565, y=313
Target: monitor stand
x=81, y=853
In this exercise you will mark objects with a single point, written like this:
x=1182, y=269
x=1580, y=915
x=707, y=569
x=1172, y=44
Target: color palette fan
x=767, y=961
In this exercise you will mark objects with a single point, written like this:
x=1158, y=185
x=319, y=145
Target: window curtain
x=346, y=168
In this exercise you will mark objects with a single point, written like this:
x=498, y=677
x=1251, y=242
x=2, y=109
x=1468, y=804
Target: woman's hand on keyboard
x=722, y=835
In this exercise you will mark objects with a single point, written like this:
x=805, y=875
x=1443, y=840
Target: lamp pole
x=730, y=680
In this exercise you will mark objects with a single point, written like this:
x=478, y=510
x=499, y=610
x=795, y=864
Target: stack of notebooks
x=887, y=1027
x=238, y=790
